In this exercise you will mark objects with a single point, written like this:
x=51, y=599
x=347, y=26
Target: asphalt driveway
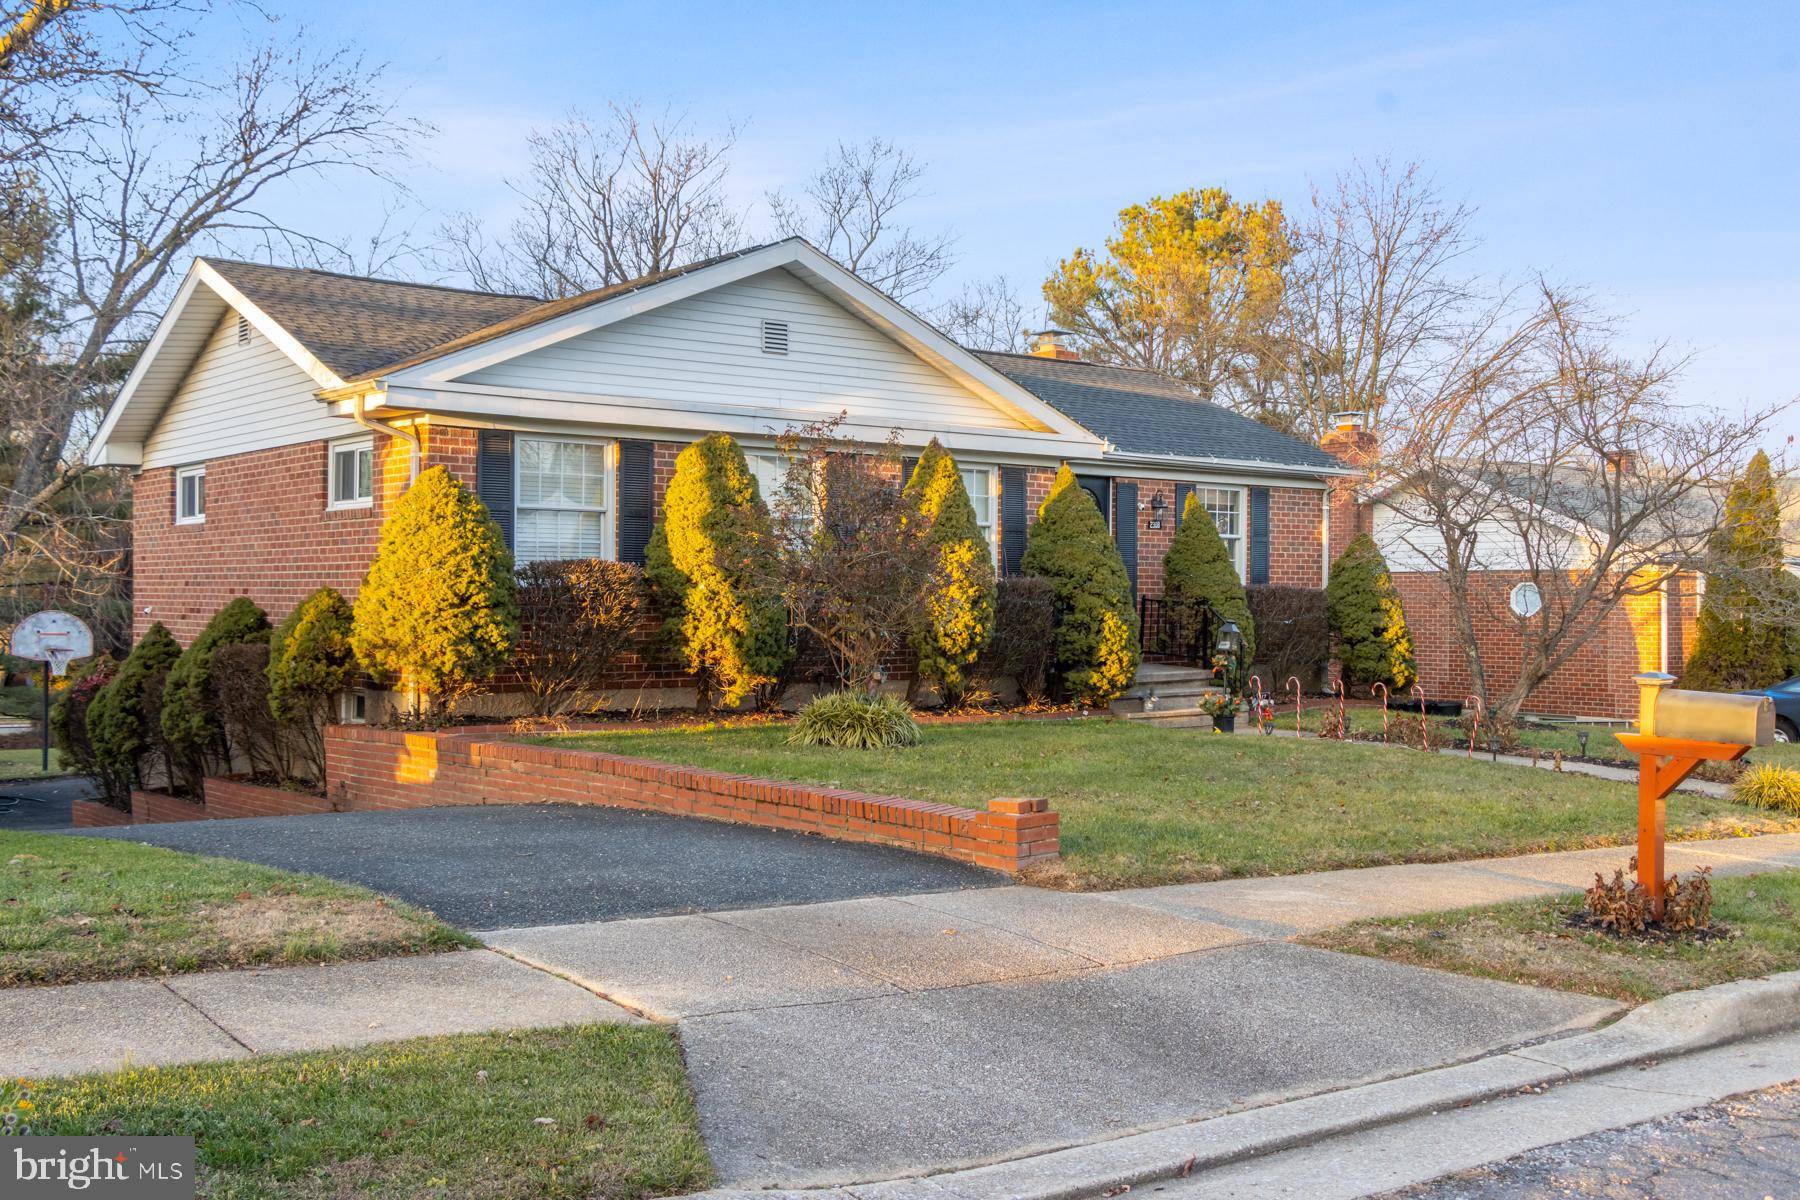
x=544, y=864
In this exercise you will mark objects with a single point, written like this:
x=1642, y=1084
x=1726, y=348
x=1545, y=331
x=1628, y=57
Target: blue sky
x=1647, y=152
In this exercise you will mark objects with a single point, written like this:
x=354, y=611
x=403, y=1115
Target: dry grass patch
x=1755, y=932
x=74, y=908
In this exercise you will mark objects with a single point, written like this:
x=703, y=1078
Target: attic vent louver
x=775, y=337
x=243, y=331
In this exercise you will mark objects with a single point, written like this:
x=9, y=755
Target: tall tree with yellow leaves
x=1188, y=285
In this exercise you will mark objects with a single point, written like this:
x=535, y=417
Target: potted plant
x=1223, y=711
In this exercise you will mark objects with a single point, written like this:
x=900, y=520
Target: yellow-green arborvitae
x=1198, y=571
x=959, y=603
x=1096, y=622
x=708, y=564
x=438, y=611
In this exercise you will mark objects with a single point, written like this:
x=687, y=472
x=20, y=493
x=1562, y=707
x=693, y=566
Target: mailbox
x=1704, y=716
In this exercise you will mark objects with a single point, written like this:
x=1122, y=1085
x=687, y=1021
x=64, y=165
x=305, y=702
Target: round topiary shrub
x=855, y=721
x=1766, y=785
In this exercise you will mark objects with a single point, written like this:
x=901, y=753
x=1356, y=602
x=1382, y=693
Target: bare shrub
x=1293, y=634
x=240, y=695
x=576, y=618
x=1024, y=644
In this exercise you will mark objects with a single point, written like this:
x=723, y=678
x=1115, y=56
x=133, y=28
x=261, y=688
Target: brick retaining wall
x=91, y=814
x=371, y=768
x=228, y=797
x=159, y=808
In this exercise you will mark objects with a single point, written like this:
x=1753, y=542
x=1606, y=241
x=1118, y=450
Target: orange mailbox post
x=1677, y=731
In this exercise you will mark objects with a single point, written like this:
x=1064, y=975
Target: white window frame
x=1241, y=549
x=992, y=529
x=353, y=707
x=609, y=485
x=332, y=450
x=182, y=475
x=1535, y=604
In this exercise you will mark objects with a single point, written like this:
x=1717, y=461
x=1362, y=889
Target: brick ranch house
x=1650, y=631
x=277, y=412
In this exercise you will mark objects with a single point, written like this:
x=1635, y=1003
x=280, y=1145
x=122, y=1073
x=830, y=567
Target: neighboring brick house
x=1652, y=631
x=277, y=412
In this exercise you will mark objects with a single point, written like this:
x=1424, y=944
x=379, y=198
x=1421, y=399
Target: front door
x=1100, y=488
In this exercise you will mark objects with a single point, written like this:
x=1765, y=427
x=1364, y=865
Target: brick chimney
x=1349, y=439
x=1620, y=462
x=1049, y=343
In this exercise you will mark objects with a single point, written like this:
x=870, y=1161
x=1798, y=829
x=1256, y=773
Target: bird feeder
x=1677, y=731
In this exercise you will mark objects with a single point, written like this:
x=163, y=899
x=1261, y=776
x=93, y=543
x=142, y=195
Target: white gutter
x=409, y=436
x=1178, y=461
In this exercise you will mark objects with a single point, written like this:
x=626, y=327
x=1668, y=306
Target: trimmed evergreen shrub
x=1743, y=638
x=69, y=713
x=123, y=742
x=959, y=603
x=706, y=561
x=240, y=697
x=1024, y=645
x=855, y=721
x=1293, y=633
x=310, y=662
x=1373, y=643
x=575, y=619
x=1198, y=571
x=1096, y=622
x=439, y=610
x=190, y=716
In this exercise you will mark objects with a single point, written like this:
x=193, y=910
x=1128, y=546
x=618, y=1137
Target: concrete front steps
x=1168, y=695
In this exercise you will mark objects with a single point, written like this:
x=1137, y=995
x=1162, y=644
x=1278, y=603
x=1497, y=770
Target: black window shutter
x=907, y=467
x=1182, y=492
x=1125, y=499
x=637, y=459
x=1012, y=519
x=494, y=478
x=1259, y=535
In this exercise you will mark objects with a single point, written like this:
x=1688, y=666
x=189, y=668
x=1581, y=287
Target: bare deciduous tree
x=985, y=315
x=1374, y=302
x=848, y=207
x=1542, y=454
x=604, y=201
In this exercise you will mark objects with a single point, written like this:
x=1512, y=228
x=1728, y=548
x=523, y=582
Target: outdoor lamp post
x=1231, y=644
x=1581, y=735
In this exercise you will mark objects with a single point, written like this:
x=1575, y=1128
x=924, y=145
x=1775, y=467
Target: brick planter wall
x=388, y=769
x=227, y=797
x=91, y=814
x=159, y=808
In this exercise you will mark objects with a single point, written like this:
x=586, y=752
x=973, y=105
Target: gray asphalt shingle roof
x=360, y=327
x=1141, y=412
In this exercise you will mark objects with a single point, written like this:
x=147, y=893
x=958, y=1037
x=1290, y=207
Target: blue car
x=1786, y=695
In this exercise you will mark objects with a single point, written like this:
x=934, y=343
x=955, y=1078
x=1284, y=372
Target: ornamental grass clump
x=855, y=721
x=1767, y=785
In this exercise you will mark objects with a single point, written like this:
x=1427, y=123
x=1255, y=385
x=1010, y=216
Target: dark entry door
x=1100, y=488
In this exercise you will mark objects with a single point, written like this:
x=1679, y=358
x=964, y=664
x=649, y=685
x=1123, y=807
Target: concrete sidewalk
x=867, y=1038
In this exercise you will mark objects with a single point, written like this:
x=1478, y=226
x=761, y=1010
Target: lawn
x=26, y=764
x=1531, y=941
x=1544, y=737
x=1142, y=805
x=74, y=908
x=592, y=1111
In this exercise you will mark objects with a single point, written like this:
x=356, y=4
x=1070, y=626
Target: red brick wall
x=1295, y=515
x=267, y=533
x=389, y=769
x=1595, y=682
x=159, y=808
x=91, y=814
x=229, y=798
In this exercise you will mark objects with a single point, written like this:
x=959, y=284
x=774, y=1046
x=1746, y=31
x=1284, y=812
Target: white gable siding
x=1414, y=546
x=239, y=398
x=706, y=351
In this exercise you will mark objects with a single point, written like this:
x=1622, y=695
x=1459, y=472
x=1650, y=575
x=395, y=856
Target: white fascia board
x=627, y=416
x=905, y=328
x=106, y=451
x=1174, y=467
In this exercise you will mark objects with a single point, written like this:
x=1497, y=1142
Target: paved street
x=1741, y=1149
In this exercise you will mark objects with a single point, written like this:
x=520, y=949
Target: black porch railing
x=1179, y=633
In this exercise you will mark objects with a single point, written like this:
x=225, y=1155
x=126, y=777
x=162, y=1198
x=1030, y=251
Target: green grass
x=74, y=908
x=26, y=764
x=1530, y=941
x=453, y=1118
x=1142, y=805
x=1544, y=737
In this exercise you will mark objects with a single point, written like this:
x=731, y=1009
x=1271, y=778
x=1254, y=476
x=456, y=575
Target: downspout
x=409, y=436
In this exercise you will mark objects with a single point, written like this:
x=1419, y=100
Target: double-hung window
x=1226, y=508
x=351, y=482
x=564, y=499
x=190, y=495
x=979, y=483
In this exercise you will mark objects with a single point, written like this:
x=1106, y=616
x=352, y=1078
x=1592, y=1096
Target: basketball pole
x=46, y=767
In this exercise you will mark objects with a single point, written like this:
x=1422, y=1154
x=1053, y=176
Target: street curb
x=1663, y=1029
